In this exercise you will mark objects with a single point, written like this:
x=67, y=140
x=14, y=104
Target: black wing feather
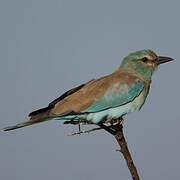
x=53, y=103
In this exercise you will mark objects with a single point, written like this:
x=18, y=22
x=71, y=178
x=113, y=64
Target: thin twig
x=81, y=122
x=84, y=131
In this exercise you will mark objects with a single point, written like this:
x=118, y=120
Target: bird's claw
x=118, y=150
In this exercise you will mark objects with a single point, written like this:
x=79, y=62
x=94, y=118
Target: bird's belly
x=116, y=112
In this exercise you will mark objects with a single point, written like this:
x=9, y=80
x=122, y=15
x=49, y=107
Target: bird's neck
x=143, y=72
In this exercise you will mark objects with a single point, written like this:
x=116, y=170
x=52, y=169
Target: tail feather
x=33, y=120
x=20, y=125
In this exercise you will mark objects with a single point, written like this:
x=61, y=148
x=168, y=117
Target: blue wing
x=117, y=95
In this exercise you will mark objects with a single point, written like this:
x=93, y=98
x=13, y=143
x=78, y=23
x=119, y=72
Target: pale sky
x=48, y=47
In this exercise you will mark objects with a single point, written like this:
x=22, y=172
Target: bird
x=106, y=98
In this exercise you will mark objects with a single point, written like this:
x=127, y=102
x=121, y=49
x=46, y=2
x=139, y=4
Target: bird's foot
x=115, y=122
x=118, y=150
x=118, y=121
x=78, y=122
x=121, y=121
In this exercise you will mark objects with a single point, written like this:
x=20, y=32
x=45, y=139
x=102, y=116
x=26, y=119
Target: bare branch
x=115, y=129
x=117, y=132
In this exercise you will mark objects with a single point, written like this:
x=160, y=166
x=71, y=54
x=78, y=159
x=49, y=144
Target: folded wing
x=107, y=92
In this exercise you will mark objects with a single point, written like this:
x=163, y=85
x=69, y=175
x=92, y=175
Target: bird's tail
x=33, y=120
x=20, y=125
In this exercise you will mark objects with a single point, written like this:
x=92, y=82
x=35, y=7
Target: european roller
x=106, y=98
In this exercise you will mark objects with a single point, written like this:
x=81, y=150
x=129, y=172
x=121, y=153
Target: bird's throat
x=139, y=69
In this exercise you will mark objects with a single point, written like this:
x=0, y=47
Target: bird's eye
x=144, y=59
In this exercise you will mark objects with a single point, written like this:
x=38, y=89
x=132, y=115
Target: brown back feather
x=54, y=102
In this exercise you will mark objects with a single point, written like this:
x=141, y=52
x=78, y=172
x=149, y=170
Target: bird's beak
x=162, y=59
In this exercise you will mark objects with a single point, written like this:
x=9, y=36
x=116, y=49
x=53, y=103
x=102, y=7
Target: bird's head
x=143, y=62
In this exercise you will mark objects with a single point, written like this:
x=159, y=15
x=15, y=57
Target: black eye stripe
x=144, y=59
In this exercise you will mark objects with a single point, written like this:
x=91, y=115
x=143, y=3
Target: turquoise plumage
x=117, y=95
